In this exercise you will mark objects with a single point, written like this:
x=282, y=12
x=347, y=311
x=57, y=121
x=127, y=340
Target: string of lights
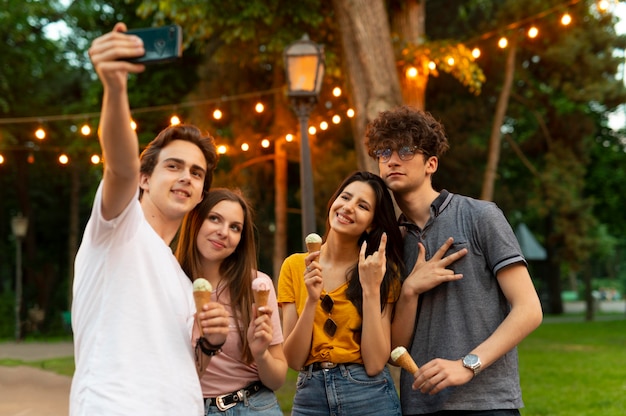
x=603, y=6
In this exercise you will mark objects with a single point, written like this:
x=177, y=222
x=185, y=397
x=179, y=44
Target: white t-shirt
x=132, y=317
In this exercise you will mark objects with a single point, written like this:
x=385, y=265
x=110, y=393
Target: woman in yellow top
x=338, y=302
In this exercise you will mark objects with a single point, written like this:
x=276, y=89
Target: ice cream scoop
x=261, y=292
x=402, y=357
x=201, y=293
x=313, y=242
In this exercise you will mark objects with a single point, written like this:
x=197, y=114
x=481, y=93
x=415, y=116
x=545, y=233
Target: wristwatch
x=472, y=362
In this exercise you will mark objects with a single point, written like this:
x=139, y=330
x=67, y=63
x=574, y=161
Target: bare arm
x=298, y=330
x=424, y=276
x=118, y=140
x=211, y=323
x=376, y=335
x=524, y=317
x=270, y=359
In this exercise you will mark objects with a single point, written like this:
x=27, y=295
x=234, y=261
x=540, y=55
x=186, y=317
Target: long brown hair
x=384, y=221
x=237, y=270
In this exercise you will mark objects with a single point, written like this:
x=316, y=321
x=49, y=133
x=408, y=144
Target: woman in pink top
x=217, y=243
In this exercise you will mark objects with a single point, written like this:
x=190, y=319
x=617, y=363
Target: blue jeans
x=345, y=390
x=263, y=402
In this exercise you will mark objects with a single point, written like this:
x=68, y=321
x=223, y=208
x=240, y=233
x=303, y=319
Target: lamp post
x=19, y=224
x=304, y=66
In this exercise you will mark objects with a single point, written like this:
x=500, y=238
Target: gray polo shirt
x=454, y=317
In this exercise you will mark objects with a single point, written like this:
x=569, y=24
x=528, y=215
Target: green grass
x=568, y=368
x=63, y=366
x=576, y=368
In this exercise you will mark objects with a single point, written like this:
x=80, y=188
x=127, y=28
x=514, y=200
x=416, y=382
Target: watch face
x=470, y=360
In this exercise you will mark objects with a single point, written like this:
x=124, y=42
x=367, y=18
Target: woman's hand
x=260, y=332
x=213, y=321
x=373, y=267
x=313, y=276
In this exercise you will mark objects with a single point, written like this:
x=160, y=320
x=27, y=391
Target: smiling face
x=176, y=184
x=221, y=231
x=352, y=212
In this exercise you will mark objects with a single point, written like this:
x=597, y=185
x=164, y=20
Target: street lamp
x=19, y=224
x=304, y=65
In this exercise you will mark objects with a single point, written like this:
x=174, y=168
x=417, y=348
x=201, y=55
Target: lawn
x=574, y=369
x=566, y=368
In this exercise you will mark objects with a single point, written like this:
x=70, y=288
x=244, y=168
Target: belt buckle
x=219, y=402
x=327, y=365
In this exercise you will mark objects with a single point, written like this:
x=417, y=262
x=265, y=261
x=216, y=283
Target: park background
x=528, y=124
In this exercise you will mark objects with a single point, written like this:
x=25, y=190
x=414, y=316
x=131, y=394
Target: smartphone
x=162, y=44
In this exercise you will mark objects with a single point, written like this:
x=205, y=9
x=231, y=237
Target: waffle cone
x=406, y=361
x=311, y=247
x=261, y=297
x=201, y=297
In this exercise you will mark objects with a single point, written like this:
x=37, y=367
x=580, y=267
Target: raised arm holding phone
x=133, y=308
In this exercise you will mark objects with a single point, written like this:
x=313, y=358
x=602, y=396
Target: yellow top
x=345, y=346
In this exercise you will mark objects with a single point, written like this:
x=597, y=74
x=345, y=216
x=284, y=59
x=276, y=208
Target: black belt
x=226, y=401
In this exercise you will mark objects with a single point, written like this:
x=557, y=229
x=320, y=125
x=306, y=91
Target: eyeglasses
x=404, y=153
x=330, y=326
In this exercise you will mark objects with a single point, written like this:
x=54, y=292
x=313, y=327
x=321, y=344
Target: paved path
x=28, y=391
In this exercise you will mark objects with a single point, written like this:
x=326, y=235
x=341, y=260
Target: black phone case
x=162, y=44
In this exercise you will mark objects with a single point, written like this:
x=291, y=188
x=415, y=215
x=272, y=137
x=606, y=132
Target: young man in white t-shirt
x=133, y=308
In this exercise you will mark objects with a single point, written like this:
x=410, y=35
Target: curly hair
x=406, y=126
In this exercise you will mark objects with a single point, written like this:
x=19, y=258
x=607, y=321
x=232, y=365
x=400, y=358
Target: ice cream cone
x=201, y=293
x=261, y=291
x=313, y=242
x=402, y=357
x=201, y=297
x=261, y=297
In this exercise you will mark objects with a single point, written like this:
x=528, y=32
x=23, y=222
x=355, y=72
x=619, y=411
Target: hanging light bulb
x=1, y=159
x=533, y=32
x=503, y=42
x=337, y=92
x=95, y=159
x=312, y=130
x=174, y=120
x=289, y=137
x=133, y=125
x=40, y=133
x=85, y=130
x=222, y=149
x=245, y=147
x=259, y=107
x=432, y=65
x=476, y=53
x=450, y=61
x=566, y=19
x=323, y=125
x=64, y=159
x=217, y=114
x=336, y=119
x=411, y=72
x=350, y=113
x=265, y=143
x=603, y=6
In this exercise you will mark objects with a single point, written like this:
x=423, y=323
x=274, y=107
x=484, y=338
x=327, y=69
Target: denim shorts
x=263, y=402
x=345, y=390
